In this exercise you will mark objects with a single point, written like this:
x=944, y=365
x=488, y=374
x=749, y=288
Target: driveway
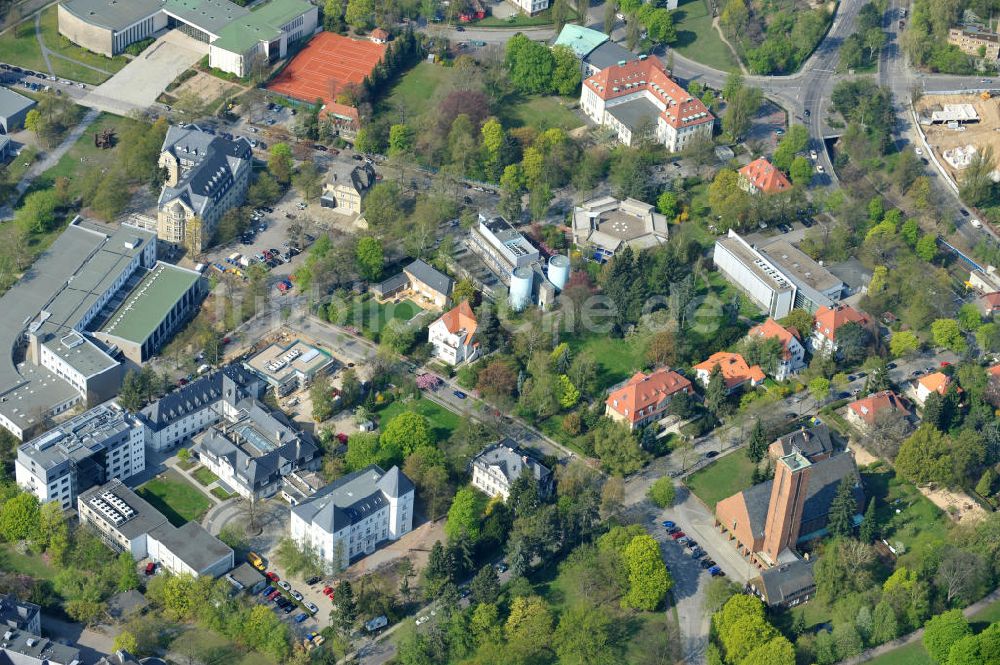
x=141, y=81
x=92, y=644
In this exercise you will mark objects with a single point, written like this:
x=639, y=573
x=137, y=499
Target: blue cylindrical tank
x=558, y=272
x=520, y=288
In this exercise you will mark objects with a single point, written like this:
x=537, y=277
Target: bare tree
x=959, y=575
x=886, y=433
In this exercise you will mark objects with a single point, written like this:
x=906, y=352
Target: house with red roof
x=453, y=335
x=864, y=413
x=762, y=177
x=793, y=354
x=829, y=320
x=638, y=98
x=935, y=382
x=379, y=36
x=645, y=397
x=989, y=304
x=736, y=372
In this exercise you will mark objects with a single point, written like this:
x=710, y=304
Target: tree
x=903, y=343
x=530, y=65
x=819, y=388
x=960, y=576
x=464, y=515
x=776, y=651
x=400, y=140
x=382, y=209
x=668, y=204
x=566, y=73
x=715, y=391
x=649, y=580
x=852, y=342
x=279, y=163
x=360, y=14
x=321, y=396
x=943, y=631
x=977, y=183
x=926, y=456
x=927, y=247
x=126, y=641
x=884, y=624
x=586, y=634
x=34, y=122
x=947, y=333
x=497, y=381
x=741, y=108
x=840, y=521
x=968, y=317
x=485, y=586
x=869, y=524
x=567, y=392
x=801, y=171
x=19, y=517
x=346, y=609
x=757, y=449
x=617, y=448
x=362, y=450
x=370, y=258
x=406, y=432
x=662, y=492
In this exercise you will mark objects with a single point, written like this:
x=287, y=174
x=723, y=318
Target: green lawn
x=82, y=156
x=30, y=564
x=415, y=90
x=919, y=525
x=204, y=476
x=22, y=49
x=542, y=113
x=222, y=494
x=443, y=422
x=698, y=39
x=369, y=315
x=178, y=500
x=62, y=46
x=14, y=170
x=523, y=21
x=722, y=478
x=211, y=647
x=617, y=359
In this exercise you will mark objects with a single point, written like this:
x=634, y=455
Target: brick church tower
x=788, y=496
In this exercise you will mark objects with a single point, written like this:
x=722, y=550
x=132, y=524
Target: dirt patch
x=208, y=88
x=980, y=134
x=415, y=545
x=862, y=456
x=958, y=505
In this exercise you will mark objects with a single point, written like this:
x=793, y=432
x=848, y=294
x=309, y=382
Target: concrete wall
x=90, y=37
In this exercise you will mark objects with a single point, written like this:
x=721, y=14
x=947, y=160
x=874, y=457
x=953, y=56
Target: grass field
x=617, y=359
x=178, y=500
x=83, y=155
x=698, y=39
x=204, y=476
x=211, y=647
x=222, y=494
x=722, y=478
x=15, y=170
x=523, y=21
x=415, y=90
x=22, y=49
x=30, y=564
x=63, y=47
x=443, y=422
x=919, y=525
x=369, y=315
x=542, y=113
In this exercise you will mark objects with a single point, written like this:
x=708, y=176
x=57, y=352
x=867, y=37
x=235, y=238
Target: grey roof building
x=496, y=468
x=102, y=443
x=814, y=443
x=353, y=515
x=607, y=54
x=13, y=110
x=206, y=176
x=429, y=282
x=127, y=523
x=20, y=614
x=245, y=577
x=50, y=363
x=785, y=585
x=19, y=647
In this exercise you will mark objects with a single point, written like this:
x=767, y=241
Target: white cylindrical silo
x=520, y=288
x=558, y=272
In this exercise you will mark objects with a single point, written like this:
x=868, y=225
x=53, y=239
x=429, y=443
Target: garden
x=698, y=39
x=442, y=421
x=178, y=500
x=720, y=479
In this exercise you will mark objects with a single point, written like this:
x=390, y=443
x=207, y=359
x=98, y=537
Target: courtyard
x=178, y=500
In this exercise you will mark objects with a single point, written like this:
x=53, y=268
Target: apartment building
x=453, y=335
x=495, y=469
x=793, y=353
x=644, y=398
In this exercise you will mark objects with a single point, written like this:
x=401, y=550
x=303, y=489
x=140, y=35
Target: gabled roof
x=735, y=370
x=829, y=319
x=353, y=497
x=869, y=407
x=379, y=33
x=772, y=328
x=990, y=301
x=936, y=382
x=809, y=442
x=434, y=279
x=765, y=176
x=648, y=74
x=787, y=581
x=460, y=319
x=646, y=390
x=580, y=39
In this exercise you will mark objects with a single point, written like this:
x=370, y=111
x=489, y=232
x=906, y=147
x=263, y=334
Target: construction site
x=958, y=127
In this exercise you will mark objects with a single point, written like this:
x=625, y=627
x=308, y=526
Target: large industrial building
x=778, y=276
x=354, y=515
x=127, y=523
x=53, y=362
x=100, y=444
x=238, y=38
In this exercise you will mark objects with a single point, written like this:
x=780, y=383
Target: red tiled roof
x=869, y=407
x=735, y=369
x=765, y=176
x=828, y=319
x=991, y=301
x=772, y=328
x=646, y=390
x=379, y=33
x=649, y=75
x=936, y=382
x=461, y=318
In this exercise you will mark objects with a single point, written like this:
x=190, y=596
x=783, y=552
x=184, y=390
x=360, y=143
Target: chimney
x=784, y=512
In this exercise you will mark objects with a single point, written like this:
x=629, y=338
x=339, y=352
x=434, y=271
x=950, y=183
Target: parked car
x=674, y=529
x=422, y=620
x=668, y=524
x=677, y=535
x=328, y=591
x=285, y=585
x=312, y=580
x=459, y=394
x=312, y=608
x=150, y=567
x=274, y=594
x=300, y=617
x=697, y=553
x=296, y=595
x=683, y=540
x=272, y=576
x=501, y=567
x=706, y=563
x=268, y=590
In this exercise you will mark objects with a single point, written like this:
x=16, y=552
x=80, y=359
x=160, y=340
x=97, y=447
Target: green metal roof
x=211, y=16
x=150, y=301
x=581, y=40
x=262, y=24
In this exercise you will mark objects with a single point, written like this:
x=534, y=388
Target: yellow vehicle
x=256, y=561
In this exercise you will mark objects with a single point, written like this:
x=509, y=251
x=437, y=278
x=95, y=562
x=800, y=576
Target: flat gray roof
x=146, y=517
x=192, y=544
x=609, y=53
x=112, y=14
x=633, y=113
x=748, y=257
x=77, y=438
x=11, y=103
x=797, y=264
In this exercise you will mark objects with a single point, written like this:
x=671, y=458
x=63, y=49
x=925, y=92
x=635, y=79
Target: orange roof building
x=379, y=36
x=829, y=320
x=644, y=96
x=793, y=353
x=936, y=382
x=760, y=176
x=452, y=335
x=864, y=412
x=644, y=398
x=735, y=370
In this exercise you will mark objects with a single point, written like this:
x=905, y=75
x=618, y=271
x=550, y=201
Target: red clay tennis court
x=328, y=63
